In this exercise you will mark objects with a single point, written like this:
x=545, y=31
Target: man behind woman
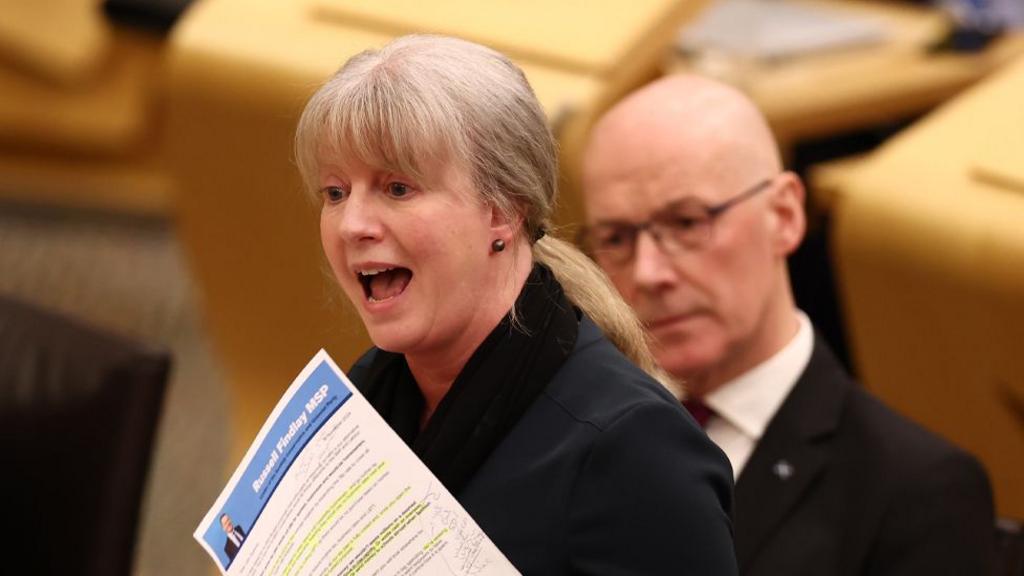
x=691, y=214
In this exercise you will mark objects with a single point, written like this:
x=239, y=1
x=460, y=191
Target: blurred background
x=148, y=198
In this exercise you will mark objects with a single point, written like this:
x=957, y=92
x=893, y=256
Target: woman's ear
x=504, y=225
x=787, y=205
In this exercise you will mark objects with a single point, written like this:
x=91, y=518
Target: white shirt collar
x=749, y=401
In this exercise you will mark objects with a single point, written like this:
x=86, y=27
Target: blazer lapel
x=793, y=452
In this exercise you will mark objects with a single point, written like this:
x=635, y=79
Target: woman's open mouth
x=382, y=284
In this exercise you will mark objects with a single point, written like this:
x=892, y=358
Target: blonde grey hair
x=421, y=100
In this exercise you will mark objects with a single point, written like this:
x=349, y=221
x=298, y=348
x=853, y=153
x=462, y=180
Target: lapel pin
x=783, y=469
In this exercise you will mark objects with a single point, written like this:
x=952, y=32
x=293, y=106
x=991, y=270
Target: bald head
x=702, y=125
x=681, y=146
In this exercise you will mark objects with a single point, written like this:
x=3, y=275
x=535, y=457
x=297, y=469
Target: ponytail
x=587, y=286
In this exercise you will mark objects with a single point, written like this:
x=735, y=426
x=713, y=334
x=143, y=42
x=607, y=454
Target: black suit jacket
x=605, y=473
x=229, y=547
x=841, y=485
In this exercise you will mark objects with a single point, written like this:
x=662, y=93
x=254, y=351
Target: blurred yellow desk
x=87, y=143
x=238, y=75
x=929, y=241
x=842, y=90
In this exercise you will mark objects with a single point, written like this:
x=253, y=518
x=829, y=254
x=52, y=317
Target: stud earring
x=498, y=245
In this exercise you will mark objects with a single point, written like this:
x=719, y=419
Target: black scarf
x=501, y=379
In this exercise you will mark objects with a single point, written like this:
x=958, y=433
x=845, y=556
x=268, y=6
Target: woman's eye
x=334, y=194
x=398, y=190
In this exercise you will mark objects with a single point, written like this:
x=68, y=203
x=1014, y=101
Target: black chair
x=78, y=413
x=156, y=15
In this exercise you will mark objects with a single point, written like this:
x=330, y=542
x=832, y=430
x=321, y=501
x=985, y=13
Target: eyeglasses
x=682, y=225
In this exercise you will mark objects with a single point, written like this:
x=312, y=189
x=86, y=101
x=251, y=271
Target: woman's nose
x=359, y=218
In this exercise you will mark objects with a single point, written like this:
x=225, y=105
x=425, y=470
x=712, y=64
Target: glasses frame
x=713, y=212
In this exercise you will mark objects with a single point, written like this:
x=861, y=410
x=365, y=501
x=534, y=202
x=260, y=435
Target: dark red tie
x=700, y=412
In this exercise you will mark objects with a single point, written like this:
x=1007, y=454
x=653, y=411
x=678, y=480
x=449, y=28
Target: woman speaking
x=502, y=355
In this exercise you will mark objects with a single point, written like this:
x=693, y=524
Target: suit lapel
x=794, y=451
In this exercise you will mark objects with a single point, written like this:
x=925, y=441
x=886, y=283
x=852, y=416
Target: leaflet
x=328, y=488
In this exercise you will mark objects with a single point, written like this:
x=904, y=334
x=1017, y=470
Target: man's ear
x=787, y=205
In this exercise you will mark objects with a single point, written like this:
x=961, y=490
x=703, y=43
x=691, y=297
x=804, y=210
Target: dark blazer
x=229, y=547
x=605, y=473
x=841, y=485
